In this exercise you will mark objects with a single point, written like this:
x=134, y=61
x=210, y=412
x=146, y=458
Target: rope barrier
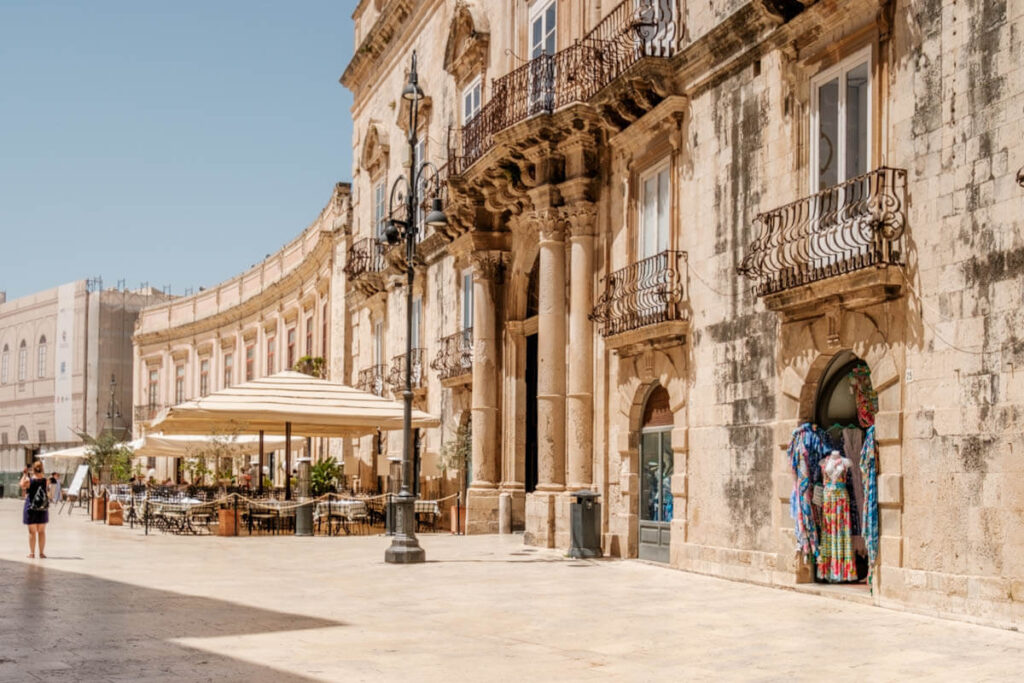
x=280, y=505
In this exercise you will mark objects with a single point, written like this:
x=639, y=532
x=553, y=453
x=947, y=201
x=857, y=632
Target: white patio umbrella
x=185, y=445
x=65, y=459
x=286, y=403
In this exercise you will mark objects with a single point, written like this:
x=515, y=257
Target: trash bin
x=585, y=530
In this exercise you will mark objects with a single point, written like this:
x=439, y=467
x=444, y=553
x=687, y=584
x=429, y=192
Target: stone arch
x=22, y=434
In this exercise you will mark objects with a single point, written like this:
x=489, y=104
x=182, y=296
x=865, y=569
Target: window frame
x=840, y=69
x=290, y=337
x=228, y=370
x=23, y=361
x=41, y=358
x=663, y=165
x=270, y=359
x=380, y=212
x=153, y=388
x=539, y=10
x=5, y=364
x=250, y=362
x=477, y=85
x=204, y=376
x=467, y=299
x=179, y=383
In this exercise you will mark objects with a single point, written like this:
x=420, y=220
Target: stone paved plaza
x=110, y=604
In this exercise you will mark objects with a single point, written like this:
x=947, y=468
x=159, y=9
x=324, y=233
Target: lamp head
x=436, y=217
x=392, y=233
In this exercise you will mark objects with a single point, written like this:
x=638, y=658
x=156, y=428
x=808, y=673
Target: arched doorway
x=843, y=409
x=656, y=468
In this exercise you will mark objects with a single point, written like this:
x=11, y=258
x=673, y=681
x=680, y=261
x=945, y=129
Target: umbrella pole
x=259, y=473
x=287, y=460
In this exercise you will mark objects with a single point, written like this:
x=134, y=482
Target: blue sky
x=175, y=143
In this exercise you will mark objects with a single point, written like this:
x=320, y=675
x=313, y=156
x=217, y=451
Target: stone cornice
x=376, y=42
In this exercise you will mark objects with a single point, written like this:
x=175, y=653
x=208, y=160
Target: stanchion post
x=236, y=514
x=131, y=510
x=145, y=512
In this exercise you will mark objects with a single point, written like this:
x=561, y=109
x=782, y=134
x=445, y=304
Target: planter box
x=115, y=514
x=458, y=517
x=226, y=522
x=99, y=509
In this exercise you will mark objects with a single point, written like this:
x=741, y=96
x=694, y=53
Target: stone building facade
x=256, y=324
x=677, y=231
x=65, y=368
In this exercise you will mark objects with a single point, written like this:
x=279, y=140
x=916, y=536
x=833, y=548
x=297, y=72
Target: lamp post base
x=405, y=548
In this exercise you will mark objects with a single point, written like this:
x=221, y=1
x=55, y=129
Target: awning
x=313, y=407
x=187, y=445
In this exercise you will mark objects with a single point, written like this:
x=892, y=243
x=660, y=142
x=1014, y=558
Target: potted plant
x=315, y=366
x=105, y=455
x=323, y=476
x=455, y=456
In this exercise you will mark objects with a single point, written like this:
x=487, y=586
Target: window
x=543, y=25
x=250, y=363
x=309, y=336
x=5, y=362
x=467, y=299
x=841, y=122
x=471, y=100
x=41, y=358
x=204, y=377
x=290, y=357
x=419, y=151
x=271, y=349
x=153, y=389
x=378, y=343
x=323, y=332
x=417, y=315
x=42, y=436
x=379, y=211
x=229, y=366
x=22, y=361
x=179, y=384
x=654, y=212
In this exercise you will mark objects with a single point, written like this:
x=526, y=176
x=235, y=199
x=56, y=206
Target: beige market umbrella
x=285, y=403
x=185, y=445
x=65, y=459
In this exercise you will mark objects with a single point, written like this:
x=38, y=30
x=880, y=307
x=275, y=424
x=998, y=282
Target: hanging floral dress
x=835, y=561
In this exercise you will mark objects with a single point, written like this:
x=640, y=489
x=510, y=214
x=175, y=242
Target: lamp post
x=405, y=549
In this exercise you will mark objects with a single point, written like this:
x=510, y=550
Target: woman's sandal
x=32, y=555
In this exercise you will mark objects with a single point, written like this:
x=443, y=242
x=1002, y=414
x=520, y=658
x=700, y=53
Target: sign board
x=77, y=481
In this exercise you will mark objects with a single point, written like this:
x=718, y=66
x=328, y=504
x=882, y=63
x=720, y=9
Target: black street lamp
x=405, y=549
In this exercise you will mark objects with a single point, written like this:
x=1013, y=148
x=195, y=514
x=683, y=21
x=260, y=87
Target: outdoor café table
x=174, y=513
x=272, y=511
x=345, y=510
x=427, y=512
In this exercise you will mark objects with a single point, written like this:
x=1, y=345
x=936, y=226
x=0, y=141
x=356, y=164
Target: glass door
x=543, y=26
x=655, y=495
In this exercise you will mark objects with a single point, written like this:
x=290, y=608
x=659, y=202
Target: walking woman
x=37, y=507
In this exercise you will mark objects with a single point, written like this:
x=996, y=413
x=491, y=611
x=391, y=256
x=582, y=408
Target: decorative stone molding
x=489, y=265
x=466, y=51
x=580, y=220
x=549, y=223
x=374, y=157
x=780, y=11
x=1020, y=176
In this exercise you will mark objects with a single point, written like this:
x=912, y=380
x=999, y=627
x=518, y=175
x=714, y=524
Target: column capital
x=581, y=219
x=489, y=265
x=549, y=222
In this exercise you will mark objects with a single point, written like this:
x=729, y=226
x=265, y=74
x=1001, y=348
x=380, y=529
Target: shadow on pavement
x=62, y=626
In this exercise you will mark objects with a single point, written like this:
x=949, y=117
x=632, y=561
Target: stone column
x=482, y=508
x=541, y=504
x=551, y=354
x=580, y=399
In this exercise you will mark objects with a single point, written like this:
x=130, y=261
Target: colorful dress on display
x=835, y=551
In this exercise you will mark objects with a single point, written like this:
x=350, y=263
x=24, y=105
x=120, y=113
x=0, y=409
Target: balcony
x=635, y=30
x=644, y=302
x=371, y=379
x=396, y=378
x=846, y=235
x=454, y=359
x=147, y=412
x=366, y=262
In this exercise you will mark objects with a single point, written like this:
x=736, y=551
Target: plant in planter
x=315, y=366
x=108, y=457
x=323, y=476
x=456, y=456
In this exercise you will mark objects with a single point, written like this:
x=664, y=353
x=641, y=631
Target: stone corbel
x=779, y=11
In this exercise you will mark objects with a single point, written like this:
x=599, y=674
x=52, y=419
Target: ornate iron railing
x=396, y=377
x=634, y=30
x=455, y=355
x=371, y=379
x=644, y=293
x=366, y=255
x=146, y=412
x=856, y=224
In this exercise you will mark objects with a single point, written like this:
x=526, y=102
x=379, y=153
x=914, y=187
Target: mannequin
x=835, y=561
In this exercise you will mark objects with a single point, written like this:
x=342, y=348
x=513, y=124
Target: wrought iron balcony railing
x=396, y=378
x=366, y=255
x=854, y=225
x=146, y=412
x=634, y=30
x=371, y=379
x=644, y=293
x=455, y=356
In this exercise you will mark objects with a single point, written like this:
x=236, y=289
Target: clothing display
x=869, y=475
x=835, y=554
x=805, y=446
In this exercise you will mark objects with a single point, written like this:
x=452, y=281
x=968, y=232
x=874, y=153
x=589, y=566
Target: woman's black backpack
x=40, y=501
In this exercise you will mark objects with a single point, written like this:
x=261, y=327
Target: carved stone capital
x=581, y=219
x=489, y=266
x=550, y=223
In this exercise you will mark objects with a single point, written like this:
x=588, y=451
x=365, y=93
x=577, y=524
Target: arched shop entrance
x=834, y=458
x=656, y=467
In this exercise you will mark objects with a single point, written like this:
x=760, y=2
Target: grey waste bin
x=585, y=514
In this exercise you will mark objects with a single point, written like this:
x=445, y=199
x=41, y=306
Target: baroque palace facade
x=693, y=247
